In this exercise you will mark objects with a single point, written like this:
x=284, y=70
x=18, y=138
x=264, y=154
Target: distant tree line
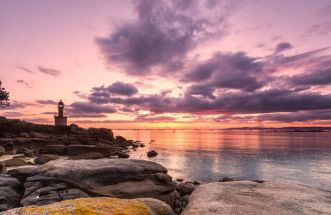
x=4, y=96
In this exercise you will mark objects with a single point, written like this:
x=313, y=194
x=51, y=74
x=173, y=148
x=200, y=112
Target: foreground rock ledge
x=101, y=206
x=69, y=179
x=248, y=198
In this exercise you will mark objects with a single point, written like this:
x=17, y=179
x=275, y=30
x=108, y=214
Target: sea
x=210, y=155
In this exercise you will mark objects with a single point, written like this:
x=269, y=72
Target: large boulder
x=102, y=206
x=248, y=198
x=120, y=178
x=10, y=192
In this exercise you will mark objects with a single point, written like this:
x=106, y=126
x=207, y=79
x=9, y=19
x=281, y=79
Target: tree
x=4, y=96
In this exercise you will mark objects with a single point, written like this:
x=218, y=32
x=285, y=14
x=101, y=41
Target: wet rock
x=100, y=205
x=10, y=192
x=88, y=155
x=44, y=158
x=152, y=153
x=122, y=154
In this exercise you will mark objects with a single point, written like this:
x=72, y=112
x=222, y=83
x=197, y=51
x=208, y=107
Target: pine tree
x=4, y=96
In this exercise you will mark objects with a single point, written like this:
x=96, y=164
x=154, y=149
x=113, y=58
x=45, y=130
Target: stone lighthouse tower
x=60, y=120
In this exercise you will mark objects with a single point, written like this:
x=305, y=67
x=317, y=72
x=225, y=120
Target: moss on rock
x=100, y=206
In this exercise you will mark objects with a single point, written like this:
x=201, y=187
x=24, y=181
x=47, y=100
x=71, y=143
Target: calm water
x=208, y=155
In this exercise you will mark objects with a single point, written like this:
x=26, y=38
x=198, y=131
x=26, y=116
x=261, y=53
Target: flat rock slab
x=101, y=206
x=248, y=198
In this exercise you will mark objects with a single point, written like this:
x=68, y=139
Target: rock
x=73, y=128
x=99, y=205
x=120, y=138
x=121, y=178
x=14, y=162
x=226, y=179
x=88, y=155
x=163, y=177
x=185, y=188
x=39, y=195
x=152, y=154
x=179, y=179
x=42, y=159
x=73, y=150
x=135, y=145
x=24, y=134
x=10, y=192
x=122, y=154
x=196, y=183
x=259, y=181
x=39, y=135
x=2, y=168
x=2, y=150
x=18, y=156
x=142, y=145
x=53, y=149
x=27, y=152
x=9, y=146
x=246, y=197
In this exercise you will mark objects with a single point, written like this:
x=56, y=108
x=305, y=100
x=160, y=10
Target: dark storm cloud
x=283, y=46
x=229, y=70
x=49, y=71
x=321, y=77
x=91, y=108
x=163, y=34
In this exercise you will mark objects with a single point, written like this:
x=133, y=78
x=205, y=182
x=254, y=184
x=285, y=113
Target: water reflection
x=208, y=155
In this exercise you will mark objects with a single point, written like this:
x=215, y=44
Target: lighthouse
x=60, y=119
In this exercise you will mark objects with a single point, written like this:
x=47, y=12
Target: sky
x=168, y=63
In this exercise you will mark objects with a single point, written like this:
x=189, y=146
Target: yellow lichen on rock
x=96, y=206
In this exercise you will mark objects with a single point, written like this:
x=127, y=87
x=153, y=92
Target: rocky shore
x=42, y=164
x=71, y=170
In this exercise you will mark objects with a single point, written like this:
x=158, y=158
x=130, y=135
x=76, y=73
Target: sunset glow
x=168, y=64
